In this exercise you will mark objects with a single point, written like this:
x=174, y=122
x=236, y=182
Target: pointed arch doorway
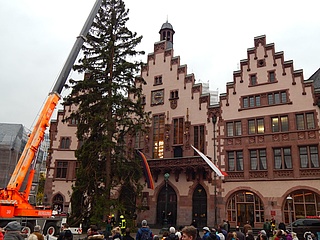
x=199, y=206
x=172, y=206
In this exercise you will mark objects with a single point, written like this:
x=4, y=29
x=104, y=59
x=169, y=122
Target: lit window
x=158, y=136
x=280, y=124
x=256, y=126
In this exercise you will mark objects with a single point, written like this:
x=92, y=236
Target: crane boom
x=12, y=202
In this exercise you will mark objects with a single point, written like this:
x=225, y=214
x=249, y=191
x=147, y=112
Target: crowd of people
x=12, y=231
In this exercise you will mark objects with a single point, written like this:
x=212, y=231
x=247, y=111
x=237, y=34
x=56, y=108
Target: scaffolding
x=13, y=138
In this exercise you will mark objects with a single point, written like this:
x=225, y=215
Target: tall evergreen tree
x=109, y=110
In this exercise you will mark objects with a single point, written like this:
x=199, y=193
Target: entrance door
x=199, y=206
x=171, y=206
x=245, y=213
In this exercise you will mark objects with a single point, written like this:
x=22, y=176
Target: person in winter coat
x=127, y=235
x=288, y=235
x=172, y=234
x=1, y=233
x=13, y=231
x=206, y=233
x=36, y=235
x=144, y=231
x=116, y=233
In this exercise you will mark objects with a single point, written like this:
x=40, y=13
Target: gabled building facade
x=264, y=132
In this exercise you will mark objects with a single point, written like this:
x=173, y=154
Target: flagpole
x=214, y=121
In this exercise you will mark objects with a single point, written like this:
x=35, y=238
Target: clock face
x=157, y=97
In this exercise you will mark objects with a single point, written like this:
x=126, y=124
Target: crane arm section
x=42, y=123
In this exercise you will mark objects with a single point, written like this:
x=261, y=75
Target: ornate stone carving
x=173, y=103
x=301, y=135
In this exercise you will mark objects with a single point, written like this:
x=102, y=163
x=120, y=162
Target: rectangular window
x=300, y=121
x=65, y=142
x=238, y=131
x=174, y=94
x=280, y=124
x=245, y=103
x=275, y=124
x=253, y=80
x=256, y=126
x=235, y=161
x=199, y=138
x=284, y=123
x=282, y=158
x=158, y=136
x=272, y=77
x=234, y=129
x=270, y=99
x=61, y=170
x=305, y=121
x=251, y=127
x=230, y=129
x=139, y=140
x=178, y=131
x=310, y=121
x=258, y=159
x=277, y=98
x=258, y=101
x=260, y=125
x=157, y=80
x=251, y=101
x=309, y=157
x=283, y=97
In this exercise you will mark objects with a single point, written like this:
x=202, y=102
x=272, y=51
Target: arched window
x=245, y=206
x=303, y=203
x=65, y=143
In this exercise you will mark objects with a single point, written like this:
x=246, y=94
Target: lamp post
x=165, y=221
x=214, y=121
x=289, y=200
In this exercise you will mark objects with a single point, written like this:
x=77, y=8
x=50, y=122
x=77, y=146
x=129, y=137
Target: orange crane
x=14, y=203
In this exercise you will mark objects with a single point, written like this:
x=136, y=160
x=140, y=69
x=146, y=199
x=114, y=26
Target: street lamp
x=214, y=121
x=165, y=221
x=289, y=200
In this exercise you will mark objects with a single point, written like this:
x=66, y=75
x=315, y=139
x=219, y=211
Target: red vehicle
x=14, y=204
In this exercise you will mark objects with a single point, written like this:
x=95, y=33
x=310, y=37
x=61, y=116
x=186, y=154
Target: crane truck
x=14, y=201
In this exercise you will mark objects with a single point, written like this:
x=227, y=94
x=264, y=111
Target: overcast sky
x=211, y=37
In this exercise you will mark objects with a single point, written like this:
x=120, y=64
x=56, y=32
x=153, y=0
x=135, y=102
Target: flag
x=146, y=170
x=213, y=167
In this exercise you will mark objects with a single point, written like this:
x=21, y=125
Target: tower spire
x=166, y=33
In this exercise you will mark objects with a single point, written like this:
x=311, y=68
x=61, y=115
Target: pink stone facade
x=267, y=140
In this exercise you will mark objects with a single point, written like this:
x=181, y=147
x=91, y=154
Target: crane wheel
x=50, y=229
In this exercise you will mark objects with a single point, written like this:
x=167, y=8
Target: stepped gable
x=263, y=66
x=164, y=52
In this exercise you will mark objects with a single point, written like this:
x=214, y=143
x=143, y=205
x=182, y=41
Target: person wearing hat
x=36, y=234
x=13, y=231
x=206, y=233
